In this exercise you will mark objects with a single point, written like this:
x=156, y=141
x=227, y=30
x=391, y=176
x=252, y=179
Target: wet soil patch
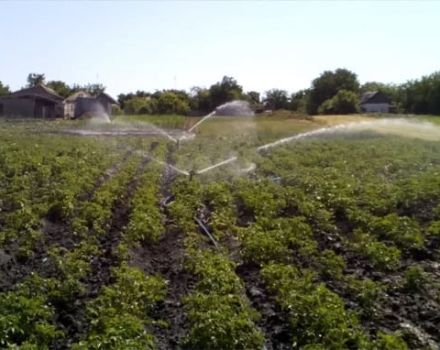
x=166, y=258
x=274, y=322
x=72, y=318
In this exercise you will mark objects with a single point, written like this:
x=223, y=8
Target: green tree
x=4, y=89
x=60, y=87
x=422, y=96
x=139, y=105
x=224, y=91
x=276, y=99
x=328, y=84
x=200, y=99
x=172, y=103
x=344, y=102
x=34, y=79
x=298, y=101
x=92, y=89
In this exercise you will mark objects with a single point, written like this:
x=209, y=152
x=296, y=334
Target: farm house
x=35, y=102
x=375, y=102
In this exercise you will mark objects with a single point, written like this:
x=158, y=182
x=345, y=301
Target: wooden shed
x=375, y=102
x=35, y=102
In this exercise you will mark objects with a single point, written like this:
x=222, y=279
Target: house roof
x=38, y=91
x=107, y=97
x=374, y=97
x=76, y=95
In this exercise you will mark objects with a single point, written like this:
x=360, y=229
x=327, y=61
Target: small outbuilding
x=70, y=103
x=35, y=102
x=81, y=103
x=375, y=102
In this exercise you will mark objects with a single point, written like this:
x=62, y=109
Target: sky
x=147, y=45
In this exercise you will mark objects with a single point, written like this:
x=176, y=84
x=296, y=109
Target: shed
x=82, y=103
x=70, y=103
x=35, y=102
x=375, y=102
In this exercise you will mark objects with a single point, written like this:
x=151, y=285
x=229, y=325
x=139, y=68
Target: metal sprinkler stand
x=206, y=231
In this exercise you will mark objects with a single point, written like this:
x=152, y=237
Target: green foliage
x=26, y=319
x=224, y=91
x=221, y=322
x=317, y=316
x=60, y=87
x=404, y=231
x=415, y=279
x=381, y=255
x=172, y=103
x=328, y=84
x=118, y=314
x=146, y=221
x=344, y=102
x=4, y=89
x=276, y=99
x=331, y=265
x=422, y=96
x=34, y=79
x=390, y=342
x=366, y=292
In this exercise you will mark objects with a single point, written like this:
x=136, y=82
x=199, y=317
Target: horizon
x=130, y=46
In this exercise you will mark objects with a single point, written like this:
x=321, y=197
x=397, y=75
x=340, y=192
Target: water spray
x=206, y=117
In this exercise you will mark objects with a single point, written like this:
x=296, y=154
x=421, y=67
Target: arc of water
x=224, y=162
x=201, y=121
x=309, y=133
x=176, y=169
x=164, y=133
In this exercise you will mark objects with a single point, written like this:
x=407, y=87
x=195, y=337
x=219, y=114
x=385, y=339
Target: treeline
x=333, y=92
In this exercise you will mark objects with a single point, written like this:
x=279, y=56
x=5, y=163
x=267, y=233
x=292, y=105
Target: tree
x=92, y=89
x=224, y=91
x=139, y=105
x=60, y=87
x=422, y=96
x=200, y=99
x=298, y=101
x=276, y=99
x=172, y=103
x=34, y=79
x=328, y=84
x=4, y=89
x=344, y=102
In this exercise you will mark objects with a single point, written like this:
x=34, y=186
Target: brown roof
x=38, y=91
x=107, y=97
x=74, y=97
x=374, y=97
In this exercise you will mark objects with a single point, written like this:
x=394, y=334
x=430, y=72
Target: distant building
x=375, y=102
x=35, y=102
x=42, y=102
x=82, y=103
x=70, y=103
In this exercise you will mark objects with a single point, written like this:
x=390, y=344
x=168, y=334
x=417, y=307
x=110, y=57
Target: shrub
x=415, y=278
x=331, y=265
x=344, y=102
x=221, y=322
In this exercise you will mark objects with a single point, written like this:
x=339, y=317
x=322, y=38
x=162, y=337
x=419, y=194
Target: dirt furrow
x=72, y=318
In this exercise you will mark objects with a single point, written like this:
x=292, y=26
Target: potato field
x=327, y=242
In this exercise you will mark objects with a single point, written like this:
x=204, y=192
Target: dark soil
x=166, y=258
x=274, y=321
x=14, y=267
x=72, y=318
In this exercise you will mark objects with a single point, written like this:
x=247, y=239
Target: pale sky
x=130, y=46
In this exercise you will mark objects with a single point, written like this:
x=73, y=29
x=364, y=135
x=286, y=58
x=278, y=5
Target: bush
x=331, y=265
x=344, y=102
x=415, y=278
